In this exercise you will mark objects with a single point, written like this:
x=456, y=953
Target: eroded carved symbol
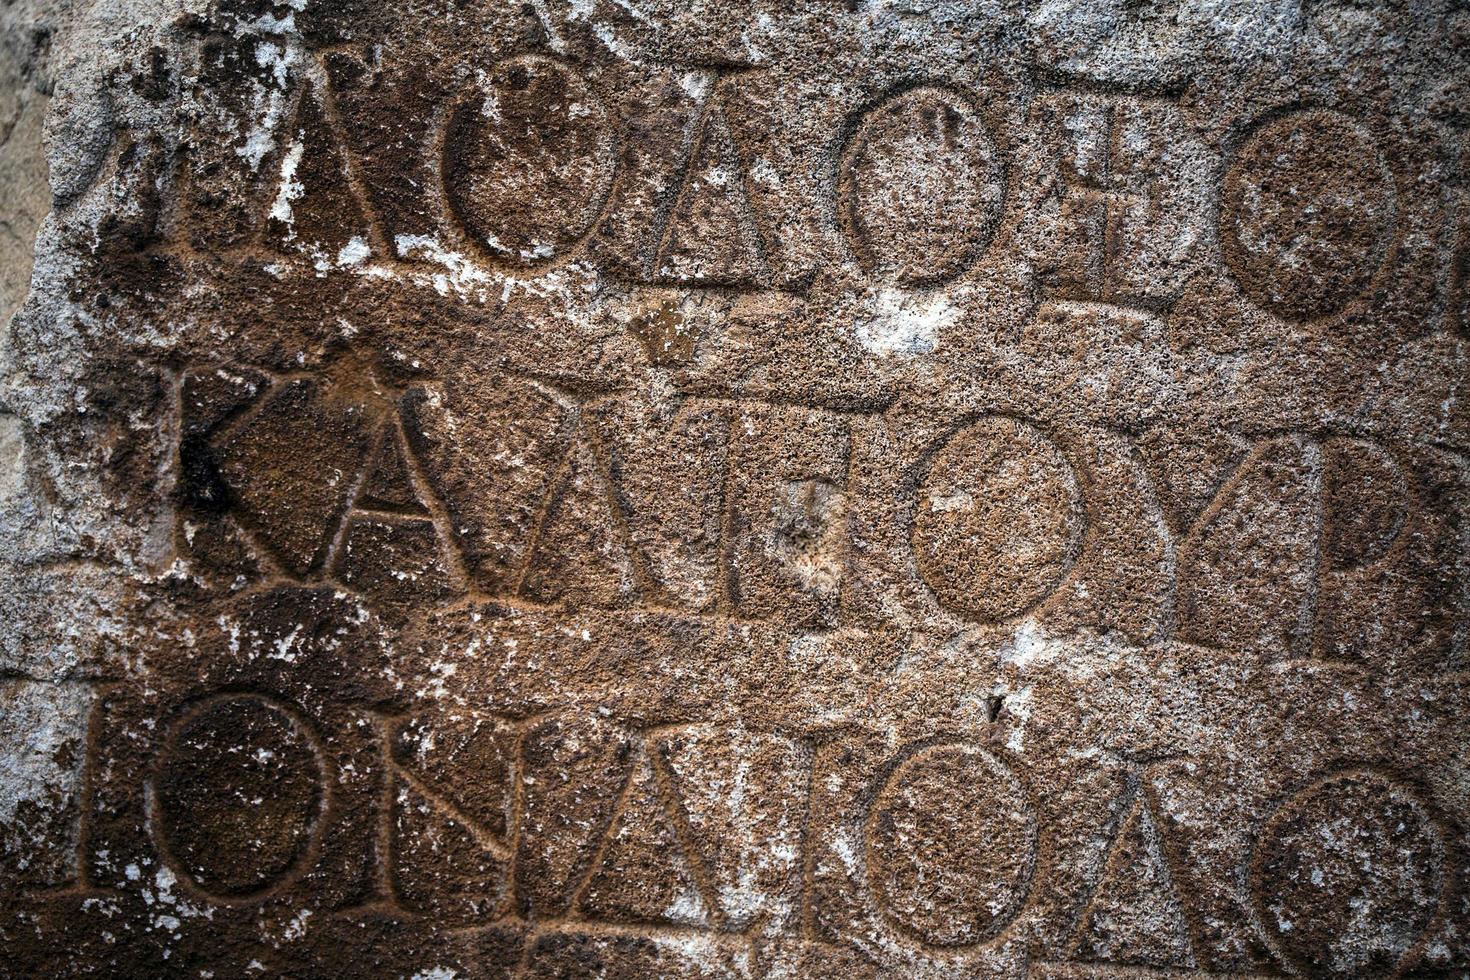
x=952, y=844
x=786, y=527
x=1136, y=914
x=1312, y=546
x=1245, y=578
x=742, y=795
x=444, y=817
x=529, y=159
x=921, y=187
x=713, y=235
x=325, y=431
x=576, y=770
x=999, y=519
x=1307, y=214
x=67, y=716
x=389, y=547
x=646, y=869
x=1120, y=158
x=1365, y=502
x=238, y=797
x=1348, y=877
x=315, y=205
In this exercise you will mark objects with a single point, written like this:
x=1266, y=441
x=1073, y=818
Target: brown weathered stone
x=807, y=488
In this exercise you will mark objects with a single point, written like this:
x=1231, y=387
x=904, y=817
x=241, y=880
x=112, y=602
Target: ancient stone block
x=803, y=488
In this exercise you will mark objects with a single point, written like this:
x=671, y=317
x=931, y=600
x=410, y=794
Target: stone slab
x=803, y=488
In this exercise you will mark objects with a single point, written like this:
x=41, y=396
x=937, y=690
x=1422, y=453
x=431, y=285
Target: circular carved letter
x=1306, y=214
x=921, y=187
x=1347, y=877
x=999, y=519
x=238, y=797
x=951, y=846
x=528, y=161
x=1365, y=503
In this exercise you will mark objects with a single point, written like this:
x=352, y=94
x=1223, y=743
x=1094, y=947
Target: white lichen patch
x=39, y=723
x=896, y=322
x=12, y=458
x=271, y=102
x=289, y=188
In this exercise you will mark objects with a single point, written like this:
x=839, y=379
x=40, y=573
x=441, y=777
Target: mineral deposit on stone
x=781, y=489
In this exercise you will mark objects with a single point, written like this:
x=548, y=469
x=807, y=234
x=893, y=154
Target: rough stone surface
x=801, y=488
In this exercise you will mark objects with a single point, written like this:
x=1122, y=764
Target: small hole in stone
x=993, y=706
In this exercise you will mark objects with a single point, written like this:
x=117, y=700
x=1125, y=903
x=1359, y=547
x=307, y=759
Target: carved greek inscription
x=529, y=161
x=1368, y=857
x=1246, y=566
x=1307, y=215
x=675, y=489
x=952, y=844
x=577, y=521
x=999, y=519
x=389, y=545
x=743, y=803
x=526, y=187
x=596, y=501
x=238, y=796
x=578, y=768
x=922, y=187
x=786, y=534
x=587, y=830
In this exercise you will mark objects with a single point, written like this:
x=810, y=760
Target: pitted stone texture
x=832, y=488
